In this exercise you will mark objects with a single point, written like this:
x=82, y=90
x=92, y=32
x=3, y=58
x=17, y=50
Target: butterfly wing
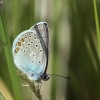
x=41, y=29
x=29, y=55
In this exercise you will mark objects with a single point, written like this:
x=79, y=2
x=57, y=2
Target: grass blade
x=97, y=26
x=8, y=54
x=1, y=97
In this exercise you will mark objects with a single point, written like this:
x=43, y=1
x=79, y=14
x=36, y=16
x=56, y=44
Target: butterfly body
x=30, y=51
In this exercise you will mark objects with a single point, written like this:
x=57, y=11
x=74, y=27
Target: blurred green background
x=73, y=47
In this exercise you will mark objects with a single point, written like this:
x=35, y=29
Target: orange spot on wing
x=19, y=44
x=16, y=50
x=22, y=40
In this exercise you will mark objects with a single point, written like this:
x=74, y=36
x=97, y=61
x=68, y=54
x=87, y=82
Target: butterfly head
x=45, y=77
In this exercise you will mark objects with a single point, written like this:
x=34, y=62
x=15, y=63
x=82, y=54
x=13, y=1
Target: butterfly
x=30, y=52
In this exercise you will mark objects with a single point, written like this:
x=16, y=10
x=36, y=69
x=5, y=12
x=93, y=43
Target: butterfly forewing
x=43, y=34
x=30, y=51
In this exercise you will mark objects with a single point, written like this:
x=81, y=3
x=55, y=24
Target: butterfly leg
x=40, y=85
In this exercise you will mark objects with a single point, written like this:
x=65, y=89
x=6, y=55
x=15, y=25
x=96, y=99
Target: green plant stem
x=33, y=87
x=97, y=26
x=8, y=55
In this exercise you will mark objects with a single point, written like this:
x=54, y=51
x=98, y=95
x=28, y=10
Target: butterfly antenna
x=59, y=76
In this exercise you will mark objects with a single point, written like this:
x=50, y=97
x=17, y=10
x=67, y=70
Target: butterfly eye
x=45, y=77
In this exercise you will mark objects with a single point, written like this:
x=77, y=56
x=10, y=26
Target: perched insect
x=30, y=52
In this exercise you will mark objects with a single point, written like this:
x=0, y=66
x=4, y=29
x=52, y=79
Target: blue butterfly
x=30, y=52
